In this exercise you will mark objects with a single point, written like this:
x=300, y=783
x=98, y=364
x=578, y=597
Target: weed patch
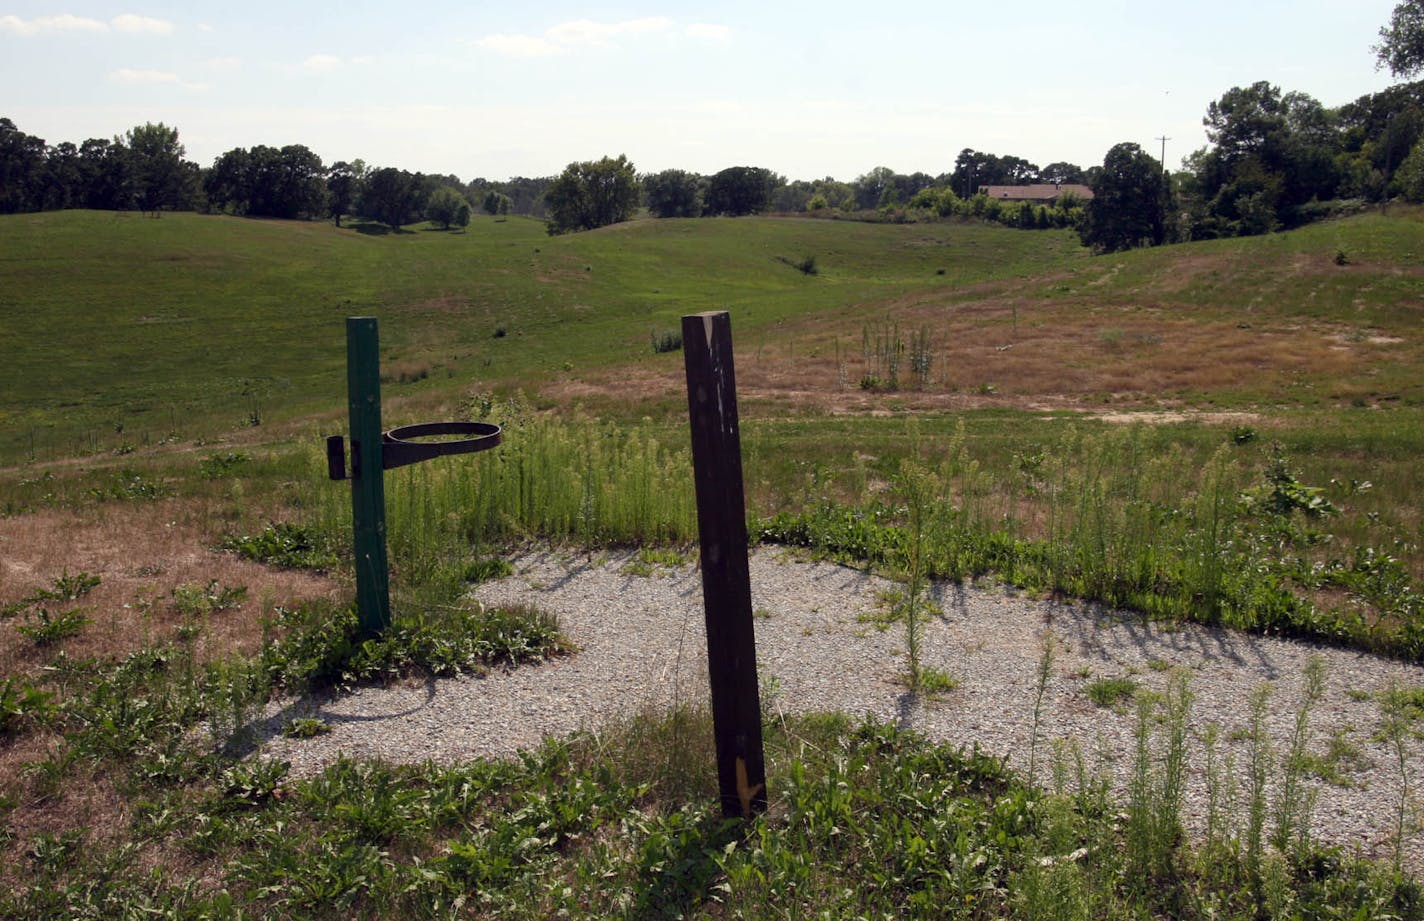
x=1111, y=692
x=288, y=545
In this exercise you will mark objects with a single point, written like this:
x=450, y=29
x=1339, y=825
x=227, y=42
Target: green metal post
x=368, y=492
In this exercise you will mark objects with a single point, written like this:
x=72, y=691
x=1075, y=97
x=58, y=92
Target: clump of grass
x=487, y=569
x=648, y=560
x=1111, y=692
x=131, y=486
x=320, y=647
x=666, y=341
x=195, y=600
x=23, y=704
x=305, y=727
x=934, y=681
x=285, y=544
x=47, y=629
x=220, y=466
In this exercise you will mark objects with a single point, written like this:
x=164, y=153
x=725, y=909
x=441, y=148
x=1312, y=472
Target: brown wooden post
x=726, y=576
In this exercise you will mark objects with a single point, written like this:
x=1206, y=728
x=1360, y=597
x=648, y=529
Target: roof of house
x=1043, y=191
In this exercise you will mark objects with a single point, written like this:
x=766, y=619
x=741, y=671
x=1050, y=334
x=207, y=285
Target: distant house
x=1044, y=193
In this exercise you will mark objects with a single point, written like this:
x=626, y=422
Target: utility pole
x=1164, y=139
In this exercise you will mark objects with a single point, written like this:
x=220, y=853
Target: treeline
x=1273, y=160
x=881, y=193
x=145, y=170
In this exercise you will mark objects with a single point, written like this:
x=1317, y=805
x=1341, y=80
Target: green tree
x=1129, y=206
x=22, y=163
x=447, y=208
x=159, y=176
x=974, y=169
x=1273, y=154
x=1401, y=46
x=592, y=194
x=1410, y=175
x=739, y=190
x=108, y=174
x=343, y=187
x=1062, y=173
x=497, y=203
x=673, y=193
x=228, y=181
x=392, y=196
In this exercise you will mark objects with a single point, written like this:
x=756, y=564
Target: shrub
x=666, y=341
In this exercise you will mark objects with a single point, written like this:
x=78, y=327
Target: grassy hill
x=193, y=323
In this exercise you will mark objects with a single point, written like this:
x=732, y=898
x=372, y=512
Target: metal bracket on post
x=373, y=452
x=726, y=575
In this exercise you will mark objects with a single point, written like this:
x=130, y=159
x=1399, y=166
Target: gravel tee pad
x=823, y=644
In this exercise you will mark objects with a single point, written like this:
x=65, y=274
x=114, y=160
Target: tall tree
x=108, y=172
x=496, y=203
x=592, y=194
x=1272, y=155
x=1401, y=46
x=392, y=196
x=1062, y=173
x=157, y=156
x=447, y=207
x=673, y=193
x=22, y=166
x=343, y=186
x=974, y=169
x=64, y=184
x=739, y=190
x=228, y=182
x=1129, y=206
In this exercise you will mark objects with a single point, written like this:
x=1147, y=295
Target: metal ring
x=397, y=450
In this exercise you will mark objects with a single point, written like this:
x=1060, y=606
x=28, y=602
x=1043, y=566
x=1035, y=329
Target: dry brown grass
x=1059, y=355
x=142, y=552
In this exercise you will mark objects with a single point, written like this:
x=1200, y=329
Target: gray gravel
x=641, y=643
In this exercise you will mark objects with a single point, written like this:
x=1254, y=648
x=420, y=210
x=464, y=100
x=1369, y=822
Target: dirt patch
x=142, y=553
x=1148, y=417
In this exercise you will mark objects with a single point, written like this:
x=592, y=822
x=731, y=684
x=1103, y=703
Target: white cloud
x=518, y=46
x=322, y=63
x=575, y=33
x=132, y=77
x=224, y=65
x=588, y=32
x=708, y=30
x=63, y=23
x=128, y=22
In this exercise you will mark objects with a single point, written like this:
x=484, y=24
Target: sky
x=494, y=90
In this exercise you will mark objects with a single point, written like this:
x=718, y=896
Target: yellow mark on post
x=744, y=792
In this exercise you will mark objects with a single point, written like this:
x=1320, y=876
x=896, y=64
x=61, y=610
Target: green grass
x=137, y=330
x=1111, y=692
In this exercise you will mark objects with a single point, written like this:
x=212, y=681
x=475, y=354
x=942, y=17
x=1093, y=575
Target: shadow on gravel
x=253, y=736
